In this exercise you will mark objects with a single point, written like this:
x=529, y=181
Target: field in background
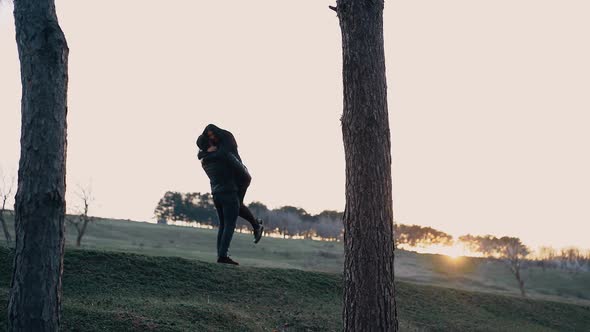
x=473, y=274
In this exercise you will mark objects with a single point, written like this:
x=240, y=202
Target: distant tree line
x=189, y=207
x=415, y=236
x=518, y=257
x=287, y=221
x=570, y=259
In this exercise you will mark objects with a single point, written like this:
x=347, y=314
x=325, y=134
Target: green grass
x=471, y=274
x=132, y=276
x=109, y=291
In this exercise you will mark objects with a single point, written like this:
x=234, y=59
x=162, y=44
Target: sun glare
x=454, y=251
x=453, y=256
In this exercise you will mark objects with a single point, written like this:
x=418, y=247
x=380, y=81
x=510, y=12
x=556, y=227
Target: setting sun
x=454, y=251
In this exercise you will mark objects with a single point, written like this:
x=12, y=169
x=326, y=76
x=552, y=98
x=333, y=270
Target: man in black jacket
x=225, y=171
x=225, y=141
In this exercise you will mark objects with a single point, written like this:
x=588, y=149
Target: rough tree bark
x=369, y=291
x=35, y=296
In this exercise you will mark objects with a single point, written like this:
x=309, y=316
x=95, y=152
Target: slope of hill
x=109, y=291
x=465, y=273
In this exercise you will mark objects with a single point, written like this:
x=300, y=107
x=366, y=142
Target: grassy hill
x=110, y=291
x=471, y=274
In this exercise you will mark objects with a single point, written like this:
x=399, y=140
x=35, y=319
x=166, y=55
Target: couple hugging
x=229, y=178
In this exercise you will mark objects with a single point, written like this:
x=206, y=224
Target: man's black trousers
x=228, y=208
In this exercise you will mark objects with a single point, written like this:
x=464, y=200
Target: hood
x=216, y=130
x=225, y=137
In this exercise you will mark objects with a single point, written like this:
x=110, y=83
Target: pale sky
x=489, y=107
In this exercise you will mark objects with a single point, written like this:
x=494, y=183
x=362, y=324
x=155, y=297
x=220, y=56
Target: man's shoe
x=258, y=231
x=226, y=260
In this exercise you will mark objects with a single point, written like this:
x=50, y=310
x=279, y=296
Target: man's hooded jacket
x=224, y=169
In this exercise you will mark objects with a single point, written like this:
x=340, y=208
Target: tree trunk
x=520, y=283
x=5, y=228
x=79, y=239
x=35, y=296
x=369, y=291
x=81, y=230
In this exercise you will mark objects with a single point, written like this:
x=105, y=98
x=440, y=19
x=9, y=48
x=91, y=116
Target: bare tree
x=508, y=249
x=369, y=291
x=546, y=256
x=81, y=219
x=6, y=189
x=36, y=286
x=572, y=259
x=514, y=254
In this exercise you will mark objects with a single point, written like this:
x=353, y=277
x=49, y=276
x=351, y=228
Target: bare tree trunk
x=82, y=231
x=79, y=239
x=5, y=228
x=520, y=283
x=369, y=291
x=6, y=233
x=35, y=296
x=2, y=212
